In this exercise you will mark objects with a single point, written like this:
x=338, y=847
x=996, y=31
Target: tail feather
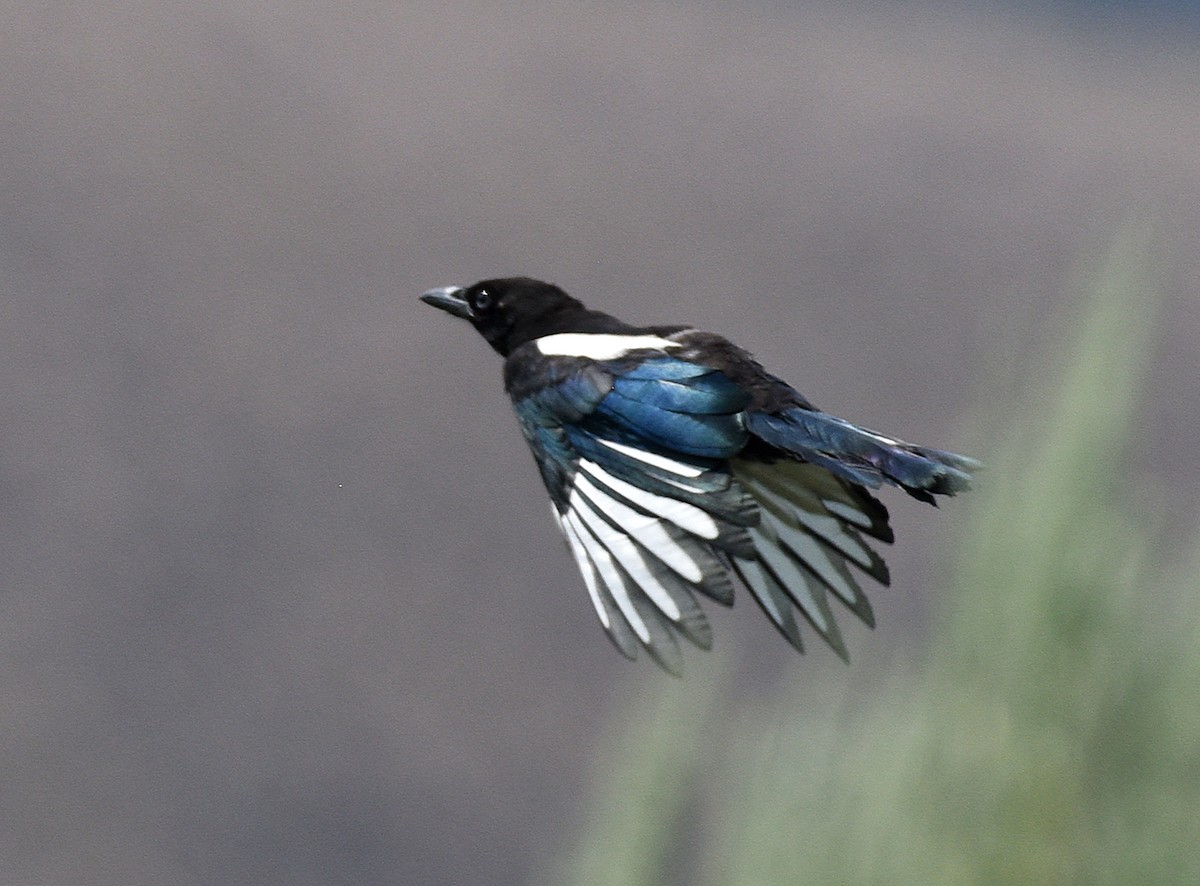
x=862, y=456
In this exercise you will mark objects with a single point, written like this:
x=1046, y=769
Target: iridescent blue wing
x=635, y=456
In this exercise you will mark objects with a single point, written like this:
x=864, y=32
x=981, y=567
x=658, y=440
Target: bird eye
x=482, y=300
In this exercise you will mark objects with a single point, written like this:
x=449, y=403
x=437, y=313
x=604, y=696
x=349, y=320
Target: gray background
x=280, y=598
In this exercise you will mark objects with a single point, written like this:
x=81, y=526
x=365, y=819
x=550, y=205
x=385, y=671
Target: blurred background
x=280, y=598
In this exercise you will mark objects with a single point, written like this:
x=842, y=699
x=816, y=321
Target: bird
x=675, y=462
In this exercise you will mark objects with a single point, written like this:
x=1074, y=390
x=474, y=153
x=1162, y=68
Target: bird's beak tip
x=451, y=299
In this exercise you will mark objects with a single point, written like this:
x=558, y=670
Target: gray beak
x=451, y=299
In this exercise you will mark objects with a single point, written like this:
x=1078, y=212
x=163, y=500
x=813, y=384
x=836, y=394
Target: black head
x=508, y=311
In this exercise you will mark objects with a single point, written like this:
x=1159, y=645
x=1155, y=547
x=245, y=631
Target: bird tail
x=862, y=456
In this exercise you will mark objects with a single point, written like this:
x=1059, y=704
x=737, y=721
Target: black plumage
x=674, y=459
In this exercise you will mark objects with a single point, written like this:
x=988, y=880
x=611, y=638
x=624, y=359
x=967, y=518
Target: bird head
x=507, y=311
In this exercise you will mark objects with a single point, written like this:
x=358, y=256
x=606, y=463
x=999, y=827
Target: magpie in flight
x=673, y=459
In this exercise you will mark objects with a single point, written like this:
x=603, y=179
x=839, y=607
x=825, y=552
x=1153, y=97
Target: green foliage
x=647, y=778
x=1053, y=734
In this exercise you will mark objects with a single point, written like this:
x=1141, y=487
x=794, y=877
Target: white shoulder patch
x=599, y=346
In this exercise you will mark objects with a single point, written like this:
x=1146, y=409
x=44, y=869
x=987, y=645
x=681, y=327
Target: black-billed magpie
x=673, y=458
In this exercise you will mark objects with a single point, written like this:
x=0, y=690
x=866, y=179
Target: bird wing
x=810, y=528
x=635, y=453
